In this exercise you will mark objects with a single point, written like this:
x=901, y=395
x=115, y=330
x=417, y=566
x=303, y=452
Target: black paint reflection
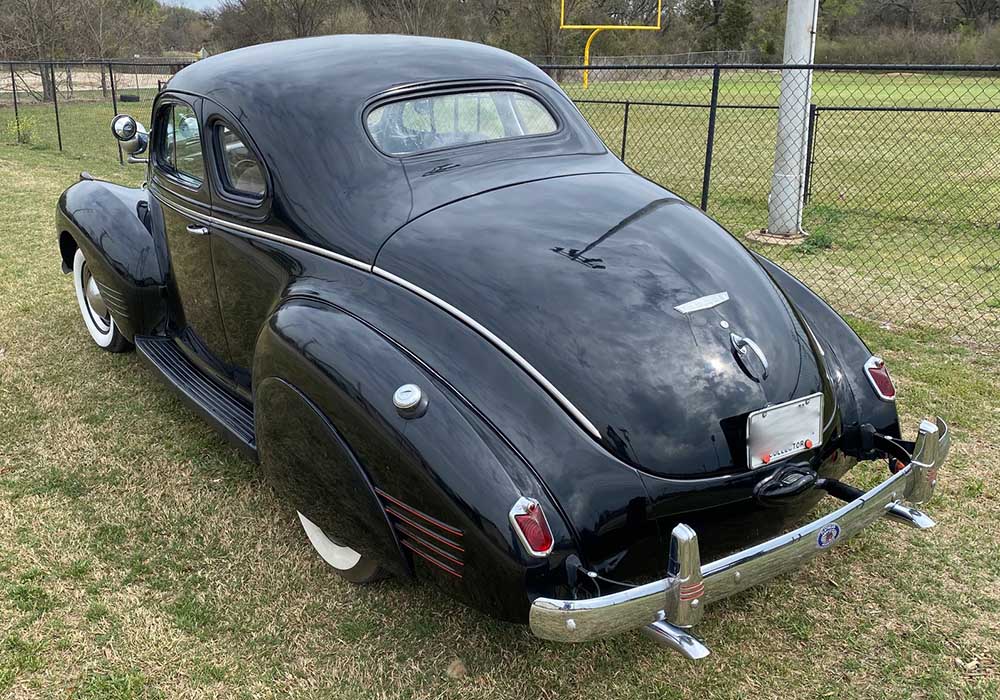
x=605, y=333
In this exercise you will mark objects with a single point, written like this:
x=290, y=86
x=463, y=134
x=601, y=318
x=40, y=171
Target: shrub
x=900, y=46
x=20, y=130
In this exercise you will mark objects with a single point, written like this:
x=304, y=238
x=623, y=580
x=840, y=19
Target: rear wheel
x=96, y=315
x=350, y=564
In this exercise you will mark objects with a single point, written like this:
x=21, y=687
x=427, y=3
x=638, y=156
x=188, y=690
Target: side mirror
x=132, y=135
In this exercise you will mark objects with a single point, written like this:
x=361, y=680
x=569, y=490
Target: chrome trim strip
x=249, y=230
x=499, y=344
x=587, y=619
x=556, y=395
x=702, y=303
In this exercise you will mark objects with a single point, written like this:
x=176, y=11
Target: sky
x=195, y=4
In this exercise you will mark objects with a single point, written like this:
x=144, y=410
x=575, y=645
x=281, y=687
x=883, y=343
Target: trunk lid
x=581, y=276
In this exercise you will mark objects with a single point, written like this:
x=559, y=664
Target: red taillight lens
x=878, y=375
x=531, y=527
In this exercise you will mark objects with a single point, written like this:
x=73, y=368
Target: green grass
x=907, y=204
x=141, y=557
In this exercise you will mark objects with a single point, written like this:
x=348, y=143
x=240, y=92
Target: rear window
x=456, y=119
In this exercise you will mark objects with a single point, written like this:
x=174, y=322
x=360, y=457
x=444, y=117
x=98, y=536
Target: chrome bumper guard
x=667, y=608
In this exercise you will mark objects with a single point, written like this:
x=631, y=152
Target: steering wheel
x=242, y=165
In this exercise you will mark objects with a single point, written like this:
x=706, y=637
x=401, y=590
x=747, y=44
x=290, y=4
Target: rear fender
x=309, y=461
x=845, y=355
x=113, y=226
x=442, y=477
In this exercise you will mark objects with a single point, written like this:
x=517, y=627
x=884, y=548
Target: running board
x=232, y=417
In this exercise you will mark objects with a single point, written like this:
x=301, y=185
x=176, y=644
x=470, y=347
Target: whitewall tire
x=350, y=564
x=96, y=316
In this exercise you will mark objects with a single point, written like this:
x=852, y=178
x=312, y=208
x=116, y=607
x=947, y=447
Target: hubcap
x=98, y=309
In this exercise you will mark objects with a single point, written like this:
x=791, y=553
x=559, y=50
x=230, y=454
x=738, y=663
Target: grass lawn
x=141, y=557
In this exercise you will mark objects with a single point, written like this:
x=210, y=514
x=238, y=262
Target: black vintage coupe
x=471, y=346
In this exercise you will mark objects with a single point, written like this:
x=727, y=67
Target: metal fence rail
x=901, y=194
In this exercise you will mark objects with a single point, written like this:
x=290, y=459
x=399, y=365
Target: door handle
x=197, y=229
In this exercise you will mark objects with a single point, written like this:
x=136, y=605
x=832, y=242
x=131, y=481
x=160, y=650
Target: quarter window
x=180, y=150
x=241, y=171
x=455, y=119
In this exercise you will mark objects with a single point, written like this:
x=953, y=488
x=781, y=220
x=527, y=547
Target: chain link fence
x=893, y=172
x=64, y=105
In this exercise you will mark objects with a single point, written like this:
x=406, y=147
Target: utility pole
x=784, y=209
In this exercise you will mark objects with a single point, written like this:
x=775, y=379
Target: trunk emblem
x=828, y=535
x=702, y=303
x=742, y=347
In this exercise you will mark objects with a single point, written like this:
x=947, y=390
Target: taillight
x=531, y=527
x=878, y=376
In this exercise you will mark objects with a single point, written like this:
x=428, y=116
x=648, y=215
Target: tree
x=734, y=26
x=978, y=12
x=837, y=15
x=427, y=17
x=109, y=28
x=36, y=29
x=707, y=12
x=629, y=11
x=183, y=29
x=725, y=24
x=243, y=23
x=300, y=18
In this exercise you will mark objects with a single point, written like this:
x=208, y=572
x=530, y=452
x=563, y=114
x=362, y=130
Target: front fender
x=845, y=355
x=110, y=224
x=445, y=467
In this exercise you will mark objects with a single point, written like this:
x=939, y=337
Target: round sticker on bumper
x=828, y=535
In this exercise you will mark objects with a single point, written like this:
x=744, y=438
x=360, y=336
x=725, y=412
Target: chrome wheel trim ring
x=100, y=326
x=94, y=299
x=338, y=556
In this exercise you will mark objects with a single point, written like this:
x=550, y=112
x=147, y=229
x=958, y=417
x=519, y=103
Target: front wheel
x=351, y=565
x=96, y=315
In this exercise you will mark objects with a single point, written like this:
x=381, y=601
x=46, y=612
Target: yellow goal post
x=598, y=28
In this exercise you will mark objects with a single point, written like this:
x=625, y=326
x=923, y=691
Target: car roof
x=301, y=102
x=357, y=66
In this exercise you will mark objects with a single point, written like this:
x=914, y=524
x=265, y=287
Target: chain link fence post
x=625, y=129
x=17, y=117
x=810, y=154
x=710, y=141
x=114, y=106
x=55, y=102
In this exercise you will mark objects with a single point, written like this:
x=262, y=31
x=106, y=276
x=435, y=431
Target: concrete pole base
x=760, y=235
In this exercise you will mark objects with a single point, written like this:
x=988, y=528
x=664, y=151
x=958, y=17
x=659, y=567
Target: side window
x=241, y=172
x=180, y=148
x=165, y=142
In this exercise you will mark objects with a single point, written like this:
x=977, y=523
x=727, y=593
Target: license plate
x=778, y=432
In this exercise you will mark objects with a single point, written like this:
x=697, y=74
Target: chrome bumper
x=665, y=609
